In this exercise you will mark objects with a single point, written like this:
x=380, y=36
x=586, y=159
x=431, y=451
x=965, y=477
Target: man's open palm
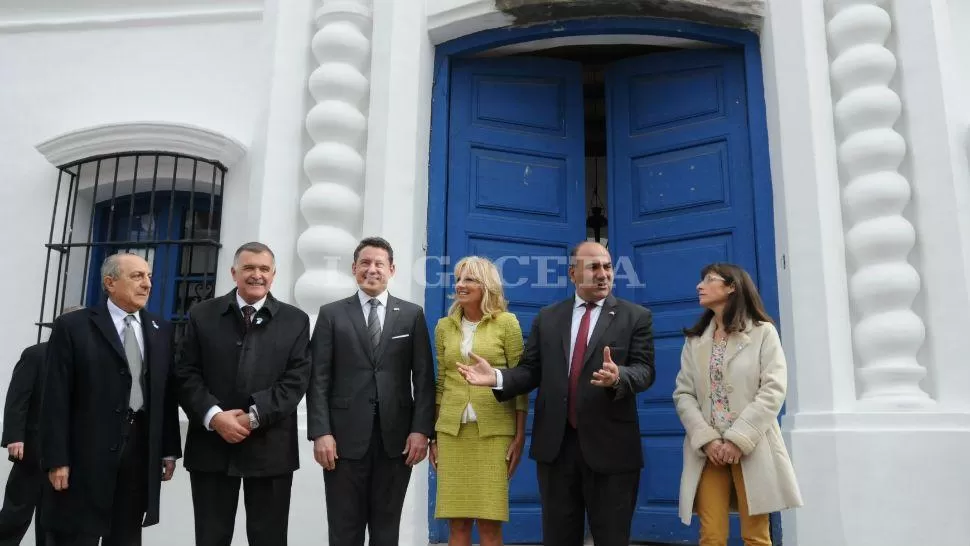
x=479, y=372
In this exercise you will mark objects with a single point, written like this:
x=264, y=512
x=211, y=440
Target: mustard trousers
x=713, y=505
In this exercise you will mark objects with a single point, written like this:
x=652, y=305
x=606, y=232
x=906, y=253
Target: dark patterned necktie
x=374, y=324
x=248, y=311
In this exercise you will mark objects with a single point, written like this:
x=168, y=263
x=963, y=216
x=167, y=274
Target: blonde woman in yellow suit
x=479, y=439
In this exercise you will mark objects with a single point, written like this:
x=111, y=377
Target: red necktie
x=576, y=364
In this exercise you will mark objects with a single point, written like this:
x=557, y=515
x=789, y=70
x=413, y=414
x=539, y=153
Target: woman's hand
x=514, y=454
x=433, y=455
x=713, y=451
x=730, y=453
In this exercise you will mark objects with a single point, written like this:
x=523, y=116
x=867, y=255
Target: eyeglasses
x=710, y=277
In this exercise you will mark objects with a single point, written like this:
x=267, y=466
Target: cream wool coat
x=756, y=381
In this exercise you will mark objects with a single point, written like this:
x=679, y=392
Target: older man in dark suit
x=589, y=356
x=243, y=368
x=371, y=351
x=110, y=431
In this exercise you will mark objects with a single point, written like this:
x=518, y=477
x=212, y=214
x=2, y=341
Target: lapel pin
x=612, y=312
x=259, y=320
x=397, y=308
x=155, y=324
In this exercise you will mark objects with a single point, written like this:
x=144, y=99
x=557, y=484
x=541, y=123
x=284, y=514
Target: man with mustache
x=589, y=356
x=242, y=368
x=110, y=428
x=370, y=352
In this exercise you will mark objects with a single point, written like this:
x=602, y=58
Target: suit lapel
x=735, y=344
x=149, y=327
x=703, y=350
x=565, y=320
x=390, y=317
x=602, y=323
x=102, y=318
x=356, y=315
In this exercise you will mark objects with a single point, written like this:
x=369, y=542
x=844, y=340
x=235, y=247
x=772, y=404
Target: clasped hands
x=231, y=425
x=480, y=373
x=721, y=452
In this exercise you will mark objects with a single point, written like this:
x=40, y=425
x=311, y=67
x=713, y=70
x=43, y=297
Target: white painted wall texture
x=867, y=123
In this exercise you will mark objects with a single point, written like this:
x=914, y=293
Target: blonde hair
x=485, y=272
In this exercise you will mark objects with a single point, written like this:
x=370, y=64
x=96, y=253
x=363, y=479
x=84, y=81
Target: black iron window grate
x=165, y=207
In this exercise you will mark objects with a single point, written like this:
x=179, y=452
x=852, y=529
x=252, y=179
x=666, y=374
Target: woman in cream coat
x=730, y=389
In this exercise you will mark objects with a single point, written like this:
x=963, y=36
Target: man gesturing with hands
x=589, y=356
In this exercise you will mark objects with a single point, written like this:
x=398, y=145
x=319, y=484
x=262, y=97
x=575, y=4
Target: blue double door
x=679, y=196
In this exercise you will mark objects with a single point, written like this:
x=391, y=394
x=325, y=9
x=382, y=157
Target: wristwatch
x=253, y=418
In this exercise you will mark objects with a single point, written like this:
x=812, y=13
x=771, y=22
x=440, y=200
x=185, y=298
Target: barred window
x=164, y=207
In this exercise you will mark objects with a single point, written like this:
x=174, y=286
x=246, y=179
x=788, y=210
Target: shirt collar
x=364, y=298
x=579, y=302
x=242, y=303
x=118, y=314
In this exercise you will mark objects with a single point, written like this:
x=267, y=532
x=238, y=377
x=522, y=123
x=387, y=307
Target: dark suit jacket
x=348, y=380
x=21, y=413
x=607, y=420
x=219, y=364
x=83, y=413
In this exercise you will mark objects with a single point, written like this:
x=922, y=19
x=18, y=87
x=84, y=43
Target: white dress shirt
x=118, y=318
x=365, y=305
x=242, y=303
x=579, y=308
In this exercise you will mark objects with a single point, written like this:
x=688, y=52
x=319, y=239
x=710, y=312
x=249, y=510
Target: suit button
x=729, y=388
x=114, y=447
x=122, y=372
x=239, y=344
x=117, y=410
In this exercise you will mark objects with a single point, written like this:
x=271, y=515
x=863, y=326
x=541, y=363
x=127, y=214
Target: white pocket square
x=400, y=336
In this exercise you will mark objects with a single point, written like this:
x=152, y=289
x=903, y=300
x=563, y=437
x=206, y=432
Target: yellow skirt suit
x=472, y=470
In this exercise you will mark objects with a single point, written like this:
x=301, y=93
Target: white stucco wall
x=63, y=80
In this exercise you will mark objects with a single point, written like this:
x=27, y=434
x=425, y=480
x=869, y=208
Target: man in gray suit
x=367, y=428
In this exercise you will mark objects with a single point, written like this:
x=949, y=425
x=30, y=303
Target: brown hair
x=743, y=304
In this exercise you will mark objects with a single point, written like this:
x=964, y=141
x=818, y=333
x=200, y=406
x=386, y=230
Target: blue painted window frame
x=170, y=209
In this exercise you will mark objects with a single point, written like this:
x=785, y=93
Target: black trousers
x=215, y=497
x=130, y=497
x=367, y=493
x=24, y=487
x=571, y=490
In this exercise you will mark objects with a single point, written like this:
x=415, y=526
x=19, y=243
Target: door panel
x=681, y=196
x=516, y=195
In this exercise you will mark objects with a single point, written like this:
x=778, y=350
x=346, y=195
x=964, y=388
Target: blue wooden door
x=681, y=196
x=516, y=196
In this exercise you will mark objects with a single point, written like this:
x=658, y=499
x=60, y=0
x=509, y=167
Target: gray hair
x=256, y=248
x=111, y=267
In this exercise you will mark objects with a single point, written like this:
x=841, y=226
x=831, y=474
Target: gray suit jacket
x=348, y=383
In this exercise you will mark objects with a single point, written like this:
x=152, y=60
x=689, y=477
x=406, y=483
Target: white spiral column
x=337, y=123
x=887, y=334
